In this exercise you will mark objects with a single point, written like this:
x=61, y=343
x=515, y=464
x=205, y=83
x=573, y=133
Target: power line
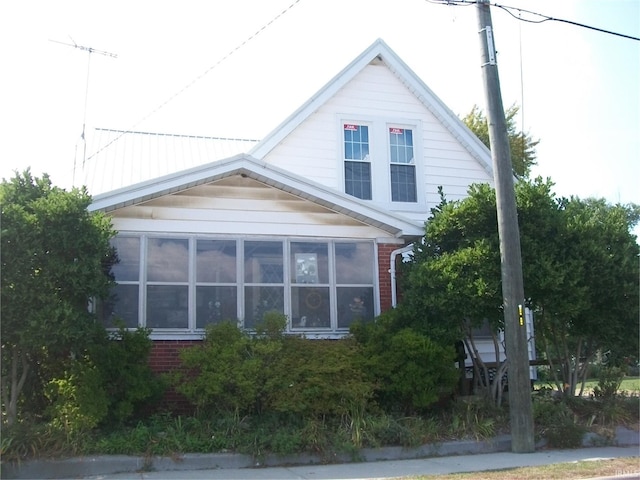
x=199, y=77
x=543, y=18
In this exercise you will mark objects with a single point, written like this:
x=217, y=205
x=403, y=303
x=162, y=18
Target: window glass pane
x=354, y=263
x=310, y=307
x=260, y=300
x=216, y=261
x=309, y=262
x=215, y=305
x=263, y=262
x=356, y=142
x=128, y=266
x=167, y=306
x=357, y=179
x=403, y=183
x=354, y=303
x=168, y=260
x=401, y=145
x=122, y=305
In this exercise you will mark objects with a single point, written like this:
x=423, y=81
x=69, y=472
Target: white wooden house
x=308, y=222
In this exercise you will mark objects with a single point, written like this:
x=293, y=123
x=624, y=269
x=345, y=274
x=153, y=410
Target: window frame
x=367, y=160
x=412, y=163
x=380, y=158
x=192, y=331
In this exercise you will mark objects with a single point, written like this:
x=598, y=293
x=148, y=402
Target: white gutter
x=392, y=271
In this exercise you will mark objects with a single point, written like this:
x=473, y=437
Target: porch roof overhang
x=245, y=165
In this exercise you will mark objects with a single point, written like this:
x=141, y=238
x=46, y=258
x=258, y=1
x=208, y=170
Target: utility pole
x=515, y=330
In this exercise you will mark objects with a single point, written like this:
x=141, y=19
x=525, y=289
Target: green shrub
x=79, y=401
x=220, y=375
x=127, y=378
x=609, y=382
x=555, y=420
x=235, y=373
x=475, y=417
x=411, y=371
x=105, y=385
x=318, y=377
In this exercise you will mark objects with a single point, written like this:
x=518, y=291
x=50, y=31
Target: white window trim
x=380, y=158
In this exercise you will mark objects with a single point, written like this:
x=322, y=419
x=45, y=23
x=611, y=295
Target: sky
x=239, y=68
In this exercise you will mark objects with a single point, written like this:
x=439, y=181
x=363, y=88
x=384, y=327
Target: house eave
x=395, y=225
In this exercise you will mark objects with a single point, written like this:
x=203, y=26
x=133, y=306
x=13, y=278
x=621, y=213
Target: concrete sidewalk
x=395, y=468
x=388, y=462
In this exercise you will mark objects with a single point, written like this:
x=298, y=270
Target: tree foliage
x=55, y=258
x=522, y=145
x=580, y=269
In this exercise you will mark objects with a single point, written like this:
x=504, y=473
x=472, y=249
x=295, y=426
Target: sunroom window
x=123, y=304
x=167, y=283
x=263, y=280
x=181, y=285
x=216, y=274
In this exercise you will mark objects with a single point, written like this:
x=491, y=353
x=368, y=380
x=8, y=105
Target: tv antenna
x=89, y=50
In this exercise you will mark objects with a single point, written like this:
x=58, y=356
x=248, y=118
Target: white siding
x=314, y=148
x=239, y=206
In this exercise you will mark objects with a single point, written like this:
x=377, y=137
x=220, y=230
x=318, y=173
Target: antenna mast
x=90, y=50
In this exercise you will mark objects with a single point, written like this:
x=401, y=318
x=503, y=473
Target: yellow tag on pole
x=521, y=315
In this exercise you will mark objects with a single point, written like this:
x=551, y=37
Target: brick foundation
x=165, y=358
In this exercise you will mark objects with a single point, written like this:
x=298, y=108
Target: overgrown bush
x=130, y=384
x=79, y=401
x=609, y=381
x=220, y=376
x=474, y=417
x=555, y=420
x=411, y=371
x=107, y=384
x=233, y=372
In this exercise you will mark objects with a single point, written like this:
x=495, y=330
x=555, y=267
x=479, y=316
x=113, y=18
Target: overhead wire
x=544, y=18
x=199, y=77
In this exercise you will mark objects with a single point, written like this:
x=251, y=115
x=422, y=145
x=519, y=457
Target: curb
x=111, y=464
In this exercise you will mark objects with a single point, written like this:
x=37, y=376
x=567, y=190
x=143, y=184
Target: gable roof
x=247, y=166
x=380, y=53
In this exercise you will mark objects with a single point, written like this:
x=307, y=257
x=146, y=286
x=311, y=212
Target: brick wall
x=384, y=277
x=165, y=357
x=384, y=274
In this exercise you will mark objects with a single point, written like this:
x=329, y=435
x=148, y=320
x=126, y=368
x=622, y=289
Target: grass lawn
x=629, y=385
x=560, y=471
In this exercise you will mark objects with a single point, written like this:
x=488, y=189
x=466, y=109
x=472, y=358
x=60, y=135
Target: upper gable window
x=357, y=163
x=403, y=168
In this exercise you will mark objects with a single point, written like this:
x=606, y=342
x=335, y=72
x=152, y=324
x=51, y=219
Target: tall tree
x=594, y=307
x=522, y=145
x=580, y=268
x=55, y=258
